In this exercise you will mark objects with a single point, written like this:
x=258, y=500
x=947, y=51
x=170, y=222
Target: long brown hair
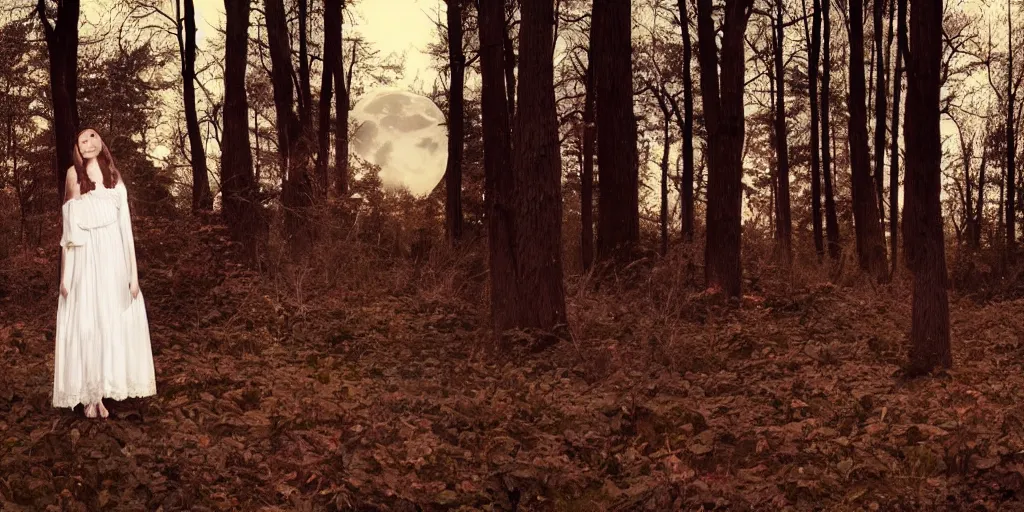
x=105, y=160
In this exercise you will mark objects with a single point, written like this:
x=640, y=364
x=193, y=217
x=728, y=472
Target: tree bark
x=295, y=187
x=332, y=49
x=1011, y=146
x=783, y=219
x=666, y=113
x=587, y=173
x=498, y=178
x=618, y=212
x=723, y=115
x=62, y=47
x=238, y=186
x=894, y=160
x=980, y=203
x=831, y=219
x=967, y=154
x=536, y=165
x=202, y=199
x=687, y=125
x=342, y=83
x=881, y=111
x=453, y=172
x=870, y=243
x=813, y=58
x=305, y=88
x=922, y=214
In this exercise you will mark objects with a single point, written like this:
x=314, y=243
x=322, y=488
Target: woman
x=103, y=346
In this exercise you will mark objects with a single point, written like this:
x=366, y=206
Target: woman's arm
x=128, y=237
x=66, y=240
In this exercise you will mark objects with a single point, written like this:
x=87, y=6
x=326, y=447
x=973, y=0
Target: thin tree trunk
x=870, y=243
x=922, y=214
x=661, y=95
x=618, y=213
x=536, y=167
x=453, y=172
x=831, y=219
x=295, y=187
x=202, y=199
x=1011, y=145
x=342, y=82
x=305, y=88
x=237, y=182
x=813, y=58
x=587, y=173
x=967, y=152
x=687, y=125
x=881, y=111
x=894, y=161
x=12, y=155
x=978, y=216
x=498, y=180
x=332, y=48
x=1000, y=223
x=723, y=114
x=783, y=221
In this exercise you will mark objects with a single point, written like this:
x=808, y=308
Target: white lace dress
x=102, y=337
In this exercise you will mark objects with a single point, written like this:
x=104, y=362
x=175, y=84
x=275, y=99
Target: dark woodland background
x=736, y=255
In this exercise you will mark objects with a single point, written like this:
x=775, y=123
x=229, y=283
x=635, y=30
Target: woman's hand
x=63, y=291
x=134, y=287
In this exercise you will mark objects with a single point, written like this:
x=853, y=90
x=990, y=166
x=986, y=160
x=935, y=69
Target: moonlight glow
x=404, y=134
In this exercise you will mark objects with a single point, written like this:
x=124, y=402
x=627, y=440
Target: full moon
x=405, y=135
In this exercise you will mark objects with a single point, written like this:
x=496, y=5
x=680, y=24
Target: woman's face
x=89, y=144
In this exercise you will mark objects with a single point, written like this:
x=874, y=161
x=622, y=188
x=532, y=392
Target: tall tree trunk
x=894, y=161
x=202, y=199
x=666, y=112
x=618, y=212
x=980, y=203
x=967, y=154
x=783, y=221
x=587, y=173
x=305, y=88
x=342, y=83
x=295, y=187
x=687, y=125
x=881, y=111
x=498, y=178
x=1000, y=223
x=1011, y=145
x=723, y=115
x=238, y=186
x=62, y=47
x=831, y=219
x=332, y=49
x=870, y=243
x=813, y=58
x=453, y=172
x=922, y=214
x=537, y=170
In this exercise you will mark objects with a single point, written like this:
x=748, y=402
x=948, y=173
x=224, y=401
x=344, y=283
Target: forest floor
x=387, y=397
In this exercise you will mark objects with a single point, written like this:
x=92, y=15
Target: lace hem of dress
x=94, y=394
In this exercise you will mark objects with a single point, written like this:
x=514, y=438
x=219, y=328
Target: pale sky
x=390, y=26
x=400, y=27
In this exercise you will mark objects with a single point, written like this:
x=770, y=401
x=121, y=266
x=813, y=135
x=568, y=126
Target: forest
x=685, y=255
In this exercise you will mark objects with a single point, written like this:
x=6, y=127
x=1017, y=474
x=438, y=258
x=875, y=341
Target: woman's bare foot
x=90, y=411
x=104, y=413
